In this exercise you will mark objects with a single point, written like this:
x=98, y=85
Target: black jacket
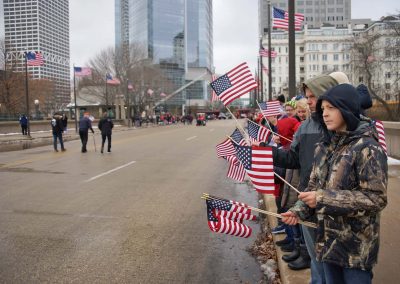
x=105, y=125
x=56, y=124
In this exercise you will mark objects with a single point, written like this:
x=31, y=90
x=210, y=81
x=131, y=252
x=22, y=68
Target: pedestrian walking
x=106, y=125
x=57, y=129
x=23, y=121
x=346, y=191
x=84, y=125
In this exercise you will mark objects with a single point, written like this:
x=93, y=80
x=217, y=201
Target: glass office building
x=177, y=36
x=40, y=25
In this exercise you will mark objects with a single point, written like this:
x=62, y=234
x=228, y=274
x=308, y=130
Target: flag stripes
x=234, y=84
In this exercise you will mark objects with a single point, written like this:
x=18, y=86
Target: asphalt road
x=132, y=216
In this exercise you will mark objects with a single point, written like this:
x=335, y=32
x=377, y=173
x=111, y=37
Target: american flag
x=257, y=132
x=34, y=58
x=238, y=138
x=381, y=133
x=236, y=170
x=265, y=53
x=82, y=71
x=232, y=159
x=258, y=163
x=111, y=81
x=281, y=19
x=226, y=217
x=214, y=96
x=225, y=149
x=234, y=84
x=270, y=108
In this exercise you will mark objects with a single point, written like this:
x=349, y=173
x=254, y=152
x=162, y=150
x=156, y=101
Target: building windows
x=324, y=57
x=335, y=57
x=324, y=68
x=324, y=46
x=387, y=75
x=387, y=86
x=360, y=79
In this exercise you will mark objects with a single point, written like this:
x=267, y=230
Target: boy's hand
x=290, y=218
x=309, y=198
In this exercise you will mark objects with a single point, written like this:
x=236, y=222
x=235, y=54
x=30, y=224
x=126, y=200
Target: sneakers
x=278, y=230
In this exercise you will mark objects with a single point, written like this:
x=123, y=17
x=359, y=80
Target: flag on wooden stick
x=234, y=84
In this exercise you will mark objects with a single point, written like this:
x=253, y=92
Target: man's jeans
x=336, y=274
x=60, y=138
x=317, y=269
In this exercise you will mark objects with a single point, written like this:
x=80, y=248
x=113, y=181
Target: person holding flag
x=346, y=191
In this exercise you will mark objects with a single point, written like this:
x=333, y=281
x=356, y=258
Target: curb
x=288, y=276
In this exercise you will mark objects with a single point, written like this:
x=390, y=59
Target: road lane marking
x=110, y=171
x=190, y=138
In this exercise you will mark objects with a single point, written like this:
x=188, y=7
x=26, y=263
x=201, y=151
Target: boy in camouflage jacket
x=347, y=190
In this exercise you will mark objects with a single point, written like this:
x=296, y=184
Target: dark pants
x=60, y=138
x=335, y=274
x=103, y=140
x=83, y=134
x=24, y=129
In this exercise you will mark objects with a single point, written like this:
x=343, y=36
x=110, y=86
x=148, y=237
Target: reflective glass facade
x=177, y=35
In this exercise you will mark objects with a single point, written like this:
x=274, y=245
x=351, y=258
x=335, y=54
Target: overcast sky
x=235, y=28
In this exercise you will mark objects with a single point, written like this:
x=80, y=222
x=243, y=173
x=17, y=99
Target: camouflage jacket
x=350, y=179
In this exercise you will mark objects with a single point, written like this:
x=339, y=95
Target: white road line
x=190, y=138
x=110, y=171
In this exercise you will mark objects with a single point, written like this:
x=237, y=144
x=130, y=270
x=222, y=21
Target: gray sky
x=235, y=28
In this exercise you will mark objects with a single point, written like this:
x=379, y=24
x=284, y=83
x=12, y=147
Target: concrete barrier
x=392, y=133
x=42, y=125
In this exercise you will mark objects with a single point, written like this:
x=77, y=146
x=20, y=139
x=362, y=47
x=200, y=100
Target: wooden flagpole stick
x=206, y=196
x=270, y=126
x=240, y=127
x=291, y=186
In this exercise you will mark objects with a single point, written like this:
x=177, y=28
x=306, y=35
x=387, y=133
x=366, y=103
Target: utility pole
x=261, y=73
x=75, y=108
x=292, y=51
x=269, y=53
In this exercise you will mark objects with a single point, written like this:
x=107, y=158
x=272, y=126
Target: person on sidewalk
x=84, y=125
x=57, y=129
x=301, y=155
x=346, y=191
x=23, y=121
x=106, y=125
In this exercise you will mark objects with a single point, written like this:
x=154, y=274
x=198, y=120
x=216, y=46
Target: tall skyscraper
x=40, y=25
x=316, y=12
x=176, y=35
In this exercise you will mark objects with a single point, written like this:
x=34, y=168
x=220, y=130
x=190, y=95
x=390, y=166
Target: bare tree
x=376, y=61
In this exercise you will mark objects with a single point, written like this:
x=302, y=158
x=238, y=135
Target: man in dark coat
x=84, y=125
x=106, y=125
x=57, y=128
x=23, y=121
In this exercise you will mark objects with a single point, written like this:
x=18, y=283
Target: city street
x=135, y=215
x=132, y=216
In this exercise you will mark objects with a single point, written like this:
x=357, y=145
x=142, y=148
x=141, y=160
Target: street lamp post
x=37, y=109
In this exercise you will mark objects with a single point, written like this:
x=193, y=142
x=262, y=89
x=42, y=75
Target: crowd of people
x=325, y=147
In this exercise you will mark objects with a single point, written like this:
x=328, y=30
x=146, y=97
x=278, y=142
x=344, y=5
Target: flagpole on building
x=269, y=54
x=75, y=108
x=106, y=96
x=27, y=94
